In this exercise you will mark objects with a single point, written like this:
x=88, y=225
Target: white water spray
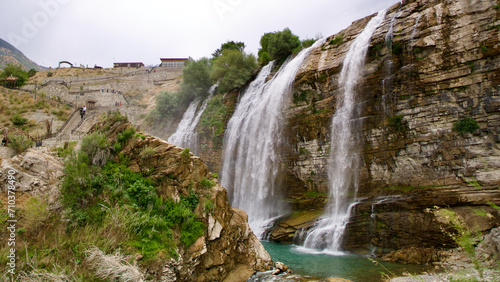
x=251, y=143
x=345, y=159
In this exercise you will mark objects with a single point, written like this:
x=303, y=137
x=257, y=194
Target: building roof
x=174, y=59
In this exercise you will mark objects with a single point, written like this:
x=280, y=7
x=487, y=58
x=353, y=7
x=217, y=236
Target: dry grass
x=112, y=267
x=17, y=102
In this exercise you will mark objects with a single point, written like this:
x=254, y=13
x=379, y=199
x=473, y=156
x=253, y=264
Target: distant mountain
x=11, y=55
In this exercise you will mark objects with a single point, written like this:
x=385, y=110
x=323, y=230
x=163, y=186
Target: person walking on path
x=81, y=112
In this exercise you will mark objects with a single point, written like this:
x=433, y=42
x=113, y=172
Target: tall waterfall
x=345, y=159
x=185, y=135
x=251, y=143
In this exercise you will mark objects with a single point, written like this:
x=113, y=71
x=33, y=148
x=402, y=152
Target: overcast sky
x=101, y=32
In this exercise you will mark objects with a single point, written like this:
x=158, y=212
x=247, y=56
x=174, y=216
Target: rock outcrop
x=228, y=250
x=35, y=172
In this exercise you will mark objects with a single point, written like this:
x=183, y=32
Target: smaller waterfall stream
x=343, y=170
x=186, y=136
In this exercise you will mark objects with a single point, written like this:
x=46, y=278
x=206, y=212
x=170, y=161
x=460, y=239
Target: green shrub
x=308, y=42
x=142, y=136
x=185, y=153
x=232, y=70
x=19, y=142
x=398, y=123
x=126, y=134
x=337, y=40
x=116, y=116
x=77, y=189
x=278, y=45
x=397, y=48
x=466, y=125
x=35, y=212
x=208, y=206
x=15, y=71
x=195, y=80
x=229, y=45
x=18, y=120
x=141, y=194
x=167, y=104
x=95, y=147
x=213, y=119
x=147, y=152
x=207, y=183
x=191, y=231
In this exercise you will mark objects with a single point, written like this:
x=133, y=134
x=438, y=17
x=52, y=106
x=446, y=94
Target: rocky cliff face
x=431, y=65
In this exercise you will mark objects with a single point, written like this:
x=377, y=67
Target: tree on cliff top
x=277, y=45
x=230, y=45
x=233, y=69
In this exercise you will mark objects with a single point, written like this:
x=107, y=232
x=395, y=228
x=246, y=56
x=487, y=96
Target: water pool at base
x=348, y=266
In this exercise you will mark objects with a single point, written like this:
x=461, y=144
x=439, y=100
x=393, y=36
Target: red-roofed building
x=173, y=62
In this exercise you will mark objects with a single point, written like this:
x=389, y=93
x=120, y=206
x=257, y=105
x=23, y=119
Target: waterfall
x=185, y=135
x=251, y=143
x=345, y=159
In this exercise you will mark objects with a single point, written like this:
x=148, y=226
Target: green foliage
x=19, y=142
x=147, y=152
x=232, y=69
x=398, y=123
x=32, y=72
x=230, y=45
x=208, y=206
x=215, y=175
x=35, y=212
x=78, y=187
x=126, y=134
x=142, y=136
x=300, y=97
x=278, y=45
x=167, y=104
x=464, y=237
x=214, y=117
x=195, y=80
x=337, y=40
x=95, y=147
x=185, y=153
x=116, y=116
x=397, y=48
x=207, y=183
x=15, y=71
x=191, y=231
x=141, y=193
x=308, y=42
x=18, y=120
x=467, y=124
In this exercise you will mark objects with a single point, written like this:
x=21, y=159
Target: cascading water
x=251, y=143
x=185, y=135
x=343, y=170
